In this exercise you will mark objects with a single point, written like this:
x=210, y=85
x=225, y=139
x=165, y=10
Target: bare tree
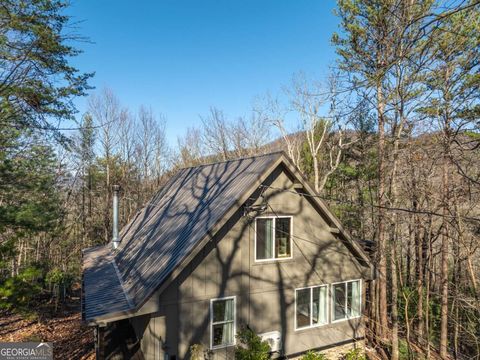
x=249, y=135
x=105, y=109
x=216, y=133
x=146, y=133
x=275, y=114
x=161, y=153
x=127, y=141
x=190, y=147
x=324, y=135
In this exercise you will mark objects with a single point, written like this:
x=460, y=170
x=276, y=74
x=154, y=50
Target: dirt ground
x=71, y=339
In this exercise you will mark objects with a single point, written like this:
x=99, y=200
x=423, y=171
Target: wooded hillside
x=391, y=141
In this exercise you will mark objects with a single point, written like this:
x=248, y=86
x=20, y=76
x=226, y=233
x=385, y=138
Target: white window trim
x=234, y=322
x=274, y=238
x=311, y=308
x=332, y=307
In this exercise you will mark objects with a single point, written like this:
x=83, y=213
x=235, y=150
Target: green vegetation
x=38, y=84
x=198, y=352
x=355, y=354
x=399, y=162
x=19, y=291
x=311, y=355
x=250, y=346
x=38, y=81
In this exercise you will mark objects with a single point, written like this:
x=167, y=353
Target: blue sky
x=181, y=57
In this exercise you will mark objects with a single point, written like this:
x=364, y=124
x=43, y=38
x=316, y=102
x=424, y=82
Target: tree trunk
x=20, y=253
x=408, y=279
x=84, y=215
x=394, y=293
x=427, y=313
x=444, y=259
x=381, y=248
x=107, y=201
x=316, y=172
x=419, y=280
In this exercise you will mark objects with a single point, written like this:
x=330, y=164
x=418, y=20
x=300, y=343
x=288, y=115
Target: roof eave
x=110, y=317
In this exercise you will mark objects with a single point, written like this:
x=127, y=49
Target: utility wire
x=340, y=201
x=424, y=212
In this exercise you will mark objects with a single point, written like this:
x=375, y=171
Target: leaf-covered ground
x=71, y=339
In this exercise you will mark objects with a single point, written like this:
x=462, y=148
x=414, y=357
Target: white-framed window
x=311, y=307
x=346, y=300
x=273, y=238
x=222, y=322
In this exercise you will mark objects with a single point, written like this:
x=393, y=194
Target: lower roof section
x=102, y=290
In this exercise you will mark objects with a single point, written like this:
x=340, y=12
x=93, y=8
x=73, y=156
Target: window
x=311, y=307
x=272, y=240
x=346, y=300
x=222, y=319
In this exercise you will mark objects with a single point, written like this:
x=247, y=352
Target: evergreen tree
x=366, y=52
x=37, y=81
x=37, y=86
x=455, y=84
x=29, y=206
x=86, y=157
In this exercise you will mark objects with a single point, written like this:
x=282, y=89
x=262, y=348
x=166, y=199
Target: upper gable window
x=273, y=238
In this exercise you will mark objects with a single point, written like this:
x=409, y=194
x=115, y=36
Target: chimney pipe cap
x=116, y=188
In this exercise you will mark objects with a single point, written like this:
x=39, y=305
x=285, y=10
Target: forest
x=390, y=141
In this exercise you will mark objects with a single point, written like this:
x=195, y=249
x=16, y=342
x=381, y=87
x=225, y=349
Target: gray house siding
x=265, y=292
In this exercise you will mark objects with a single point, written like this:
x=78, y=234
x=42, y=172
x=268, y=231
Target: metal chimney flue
x=115, y=239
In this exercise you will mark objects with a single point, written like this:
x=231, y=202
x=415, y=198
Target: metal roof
x=165, y=232
x=171, y=226
x=102, y=291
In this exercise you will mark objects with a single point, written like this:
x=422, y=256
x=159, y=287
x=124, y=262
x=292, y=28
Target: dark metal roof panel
x=103, y=292
x=173, y=222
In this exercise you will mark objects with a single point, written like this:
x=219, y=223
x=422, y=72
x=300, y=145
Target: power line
x=424, y=212
x=49, y=127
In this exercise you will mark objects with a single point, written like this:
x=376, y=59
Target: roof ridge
x=232, y=160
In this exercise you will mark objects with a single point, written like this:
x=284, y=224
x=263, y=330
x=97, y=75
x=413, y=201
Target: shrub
x=403, y=350
x=404, y=353
x=355, y=354
x=196, y=352
x=59, y=282
x=58, y=279
x=251, y=346
x=310, y=355
x=17, y=292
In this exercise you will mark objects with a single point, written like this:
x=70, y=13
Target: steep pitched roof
x=172, y=226
x=165, y=232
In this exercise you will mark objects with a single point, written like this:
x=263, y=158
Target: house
x=221, y=246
